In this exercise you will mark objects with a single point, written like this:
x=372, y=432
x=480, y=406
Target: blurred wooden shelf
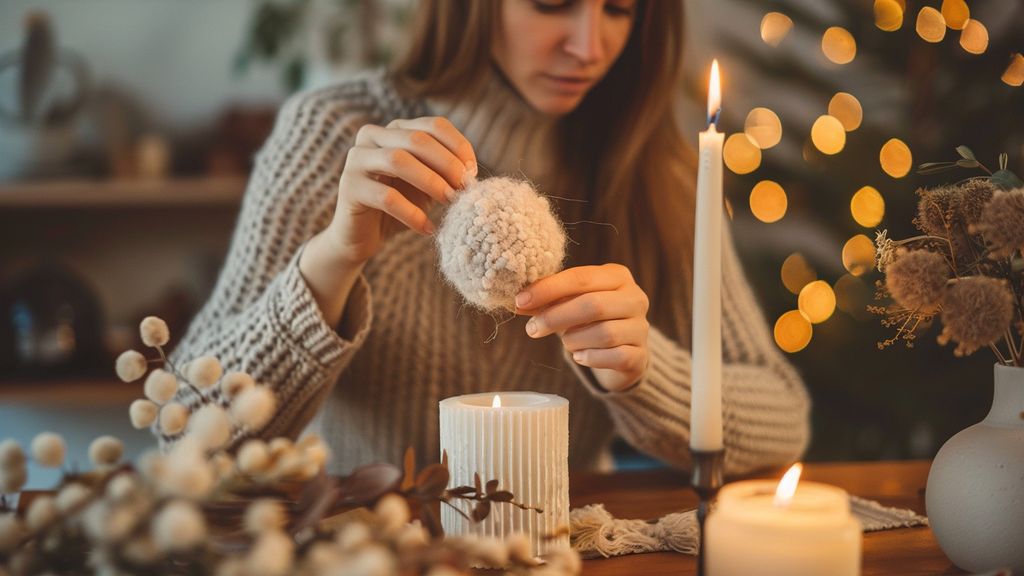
x=85, y=392
x=83, y=193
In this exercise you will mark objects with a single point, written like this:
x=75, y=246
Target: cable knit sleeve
x=764, y=403
x=261, y=317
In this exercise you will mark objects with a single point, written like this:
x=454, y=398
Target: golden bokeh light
x=974, y=37
x=931, y=26
x=859, y=255
x=888, y=15
x=793, y=332
x=896, y=158
x=956, y=13
x=768, y=201
x=774, y=27
x=847, y=109
x=852, y=296
x=817, y=302
x=867, y=207
x=828, y=135
x=797, y=273
x=838, y=45
x=1014, y=75
x=741, y=153
x=764, y=127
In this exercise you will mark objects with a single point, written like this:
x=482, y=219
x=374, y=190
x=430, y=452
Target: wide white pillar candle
x=524, y=444
x=751, y=531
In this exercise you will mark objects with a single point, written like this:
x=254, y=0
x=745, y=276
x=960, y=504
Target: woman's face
x=554, y=51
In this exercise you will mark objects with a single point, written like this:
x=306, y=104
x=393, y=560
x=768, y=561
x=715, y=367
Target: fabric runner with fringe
x=595, y=533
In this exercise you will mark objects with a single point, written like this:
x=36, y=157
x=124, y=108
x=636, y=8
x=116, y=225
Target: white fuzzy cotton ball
x=154, y=332
x=254, y=407
x=253, y=457
x=204, y=371
x=130, y=366
x=160, y=386
x=264, y=514
x=142, y=413
x=499, y=236
x=106, y=451
x=210, y=426
x=234, y=383
x=41, y=512
x=11, y=455
x=173, y=418
x=178, y=526
x=48, y=450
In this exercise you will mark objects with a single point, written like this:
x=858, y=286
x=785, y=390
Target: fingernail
x=522, y=299
x=577, y=356
x=429, y=227
x=471, y=172
x=450, y=194
x=531, y=327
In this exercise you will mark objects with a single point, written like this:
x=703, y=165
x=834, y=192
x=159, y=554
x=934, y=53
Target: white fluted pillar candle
x=524, y=444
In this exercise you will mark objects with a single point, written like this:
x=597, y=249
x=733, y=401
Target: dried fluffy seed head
x=976, y=311
x=178, y=526
x=373, y=559
x=204, y=371
x=314, y=450
x=392, y=512
x=1002, y=223
x=210, y=426
x=411, y=538
x=497, y=237
x=11, y=532
x=154, y=332
x=353, y=536
x=160, y=386
x=173, y=418
x=48, y=450
x=253, y=457
x=121, y=487
x=142, y=413
x=12, y=479
x=41, y=512
x=187, y=473
x=264, y=514
x=106, y=523
x=130, y=365
x=106, y=451
x=71, y=497
x=254, y=408
x=916, y=279
x=234, y=383
x=956, y=205
x=272, y=555
x=11, y=455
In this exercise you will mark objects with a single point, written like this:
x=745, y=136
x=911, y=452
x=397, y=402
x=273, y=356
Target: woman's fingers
x=446, y=133
x=584, y=309
x=401, y=163
x=607, y=334
x=423, y=145
x=388, y=199
x=628, y=359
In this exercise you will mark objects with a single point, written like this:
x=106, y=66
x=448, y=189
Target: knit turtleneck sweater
x=373, y=389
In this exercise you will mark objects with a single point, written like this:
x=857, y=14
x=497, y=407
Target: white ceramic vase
x=975, y=494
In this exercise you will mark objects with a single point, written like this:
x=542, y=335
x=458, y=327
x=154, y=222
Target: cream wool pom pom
x=154, y=332
x=160, y=386
x=497, y=237
x=48, y=450
x=106, y=451
x=142, y=413
x=178, y=526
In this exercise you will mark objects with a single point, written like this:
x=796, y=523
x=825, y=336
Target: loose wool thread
x=499, y=236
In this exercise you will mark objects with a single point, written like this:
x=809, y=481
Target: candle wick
x=713, y=119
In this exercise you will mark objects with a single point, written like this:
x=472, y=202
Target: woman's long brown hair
x=622, y=144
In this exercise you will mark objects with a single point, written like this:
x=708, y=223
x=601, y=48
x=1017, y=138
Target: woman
x=330, y=291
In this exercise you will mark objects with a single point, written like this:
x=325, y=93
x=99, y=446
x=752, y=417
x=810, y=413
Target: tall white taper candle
x=706, y=345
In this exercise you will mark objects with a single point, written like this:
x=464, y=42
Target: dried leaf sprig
x=966, y=266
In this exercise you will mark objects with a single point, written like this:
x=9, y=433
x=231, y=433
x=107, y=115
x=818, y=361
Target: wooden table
x=906, y=551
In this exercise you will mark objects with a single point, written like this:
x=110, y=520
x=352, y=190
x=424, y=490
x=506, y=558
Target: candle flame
x=497, y=402
x=787, y=486
x=714, y=94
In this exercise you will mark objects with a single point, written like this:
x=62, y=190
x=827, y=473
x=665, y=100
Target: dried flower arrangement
x=966, y=266
x=265, y=509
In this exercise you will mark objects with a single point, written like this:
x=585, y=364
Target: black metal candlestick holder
x=706, y=479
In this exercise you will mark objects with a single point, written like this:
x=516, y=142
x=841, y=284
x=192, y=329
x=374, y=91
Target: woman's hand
x=392, y=174
x=600, y=313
